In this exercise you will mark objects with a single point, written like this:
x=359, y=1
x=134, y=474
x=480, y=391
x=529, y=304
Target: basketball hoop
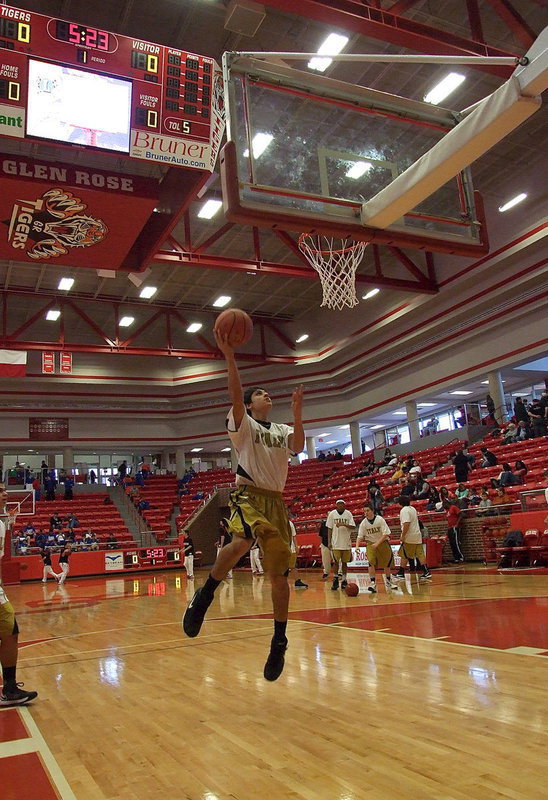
x=336, y=261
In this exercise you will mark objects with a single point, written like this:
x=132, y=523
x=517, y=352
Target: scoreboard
x=152, y=557
x=81, y=86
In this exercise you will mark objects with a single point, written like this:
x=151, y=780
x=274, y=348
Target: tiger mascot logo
x=52, y=225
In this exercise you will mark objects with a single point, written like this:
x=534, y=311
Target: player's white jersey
x=342, y=525
x=263, y=452
x=371, y=530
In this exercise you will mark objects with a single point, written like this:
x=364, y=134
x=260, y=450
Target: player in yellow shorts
x=257, y=510
x=411, y=540
x=374, y=531
x=12, y=694
x=340, y=527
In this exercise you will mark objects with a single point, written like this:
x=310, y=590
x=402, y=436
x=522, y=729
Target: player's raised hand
x=222, y=343
x=297, y=399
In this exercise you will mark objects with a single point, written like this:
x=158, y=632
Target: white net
x=336, y=261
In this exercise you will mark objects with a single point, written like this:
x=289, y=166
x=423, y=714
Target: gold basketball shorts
x=8, y=623
x=408, y=550
x=380, y=556
x=342, y=555
x=261, y=514
x=292, y=560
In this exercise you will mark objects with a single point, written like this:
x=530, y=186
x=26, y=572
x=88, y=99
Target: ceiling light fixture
x=331, y=46
x=66, y=284
x=302, y=338
x=399, y=413
x=196, y=449
x=375, y=427
x=513, y=202
x=53, y=314
x=460, y=391
x=426, y=405
x=358, y=169
x=194, y=327
x=209, y=209
x=125, y=322
x=147, y=292
x=370, y=293
x=226, y=450
x=222, y=300
x=444, y=88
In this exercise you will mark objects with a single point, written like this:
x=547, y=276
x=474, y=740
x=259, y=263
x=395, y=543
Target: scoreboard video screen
x=152, y=557
x=81, y=86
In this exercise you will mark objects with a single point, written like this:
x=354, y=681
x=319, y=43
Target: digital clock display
x=153, y=552
x=81, y=35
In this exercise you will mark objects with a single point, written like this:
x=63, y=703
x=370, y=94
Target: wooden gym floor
x=437, y=691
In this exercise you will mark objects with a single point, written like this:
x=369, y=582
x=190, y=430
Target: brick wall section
x=471, y=541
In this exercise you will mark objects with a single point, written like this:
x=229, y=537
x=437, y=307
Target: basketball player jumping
x=256, y=505
x=12, y=694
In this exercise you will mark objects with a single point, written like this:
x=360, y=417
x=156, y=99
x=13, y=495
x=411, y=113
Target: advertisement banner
x=359, y=556
x=66, y=363
x=70, y=215
x=48, y=362
x=114, y=560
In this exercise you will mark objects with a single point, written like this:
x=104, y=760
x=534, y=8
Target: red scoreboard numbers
x=80, y=86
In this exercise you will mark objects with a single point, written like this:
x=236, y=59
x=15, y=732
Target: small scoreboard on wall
x=145, y=557
x=76, y=85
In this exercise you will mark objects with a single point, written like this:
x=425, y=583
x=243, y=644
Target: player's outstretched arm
x=296, y=440
x=235, y=391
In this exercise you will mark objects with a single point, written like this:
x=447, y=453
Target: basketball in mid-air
x=352, y=589
x=236, y=325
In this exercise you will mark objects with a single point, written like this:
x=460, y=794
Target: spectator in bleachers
x=474, y=497
x=396, y=475
x=509, y=433
x=37, y=486
x=49, y=487
x=91, y=541
x=523, y=432
x=433, y=498
x=72, y=521
x=520, y=469
x=55, y=522
x=460, y=417
x=69, y=486
x=520, y=411
x=462, y=493
x=51, y=540
x=321, y=456
x=337, y=455
x=29, y=529
x=60, y=539
x=489, y=458
x=329, y=456
x=507, y=477
x=415, y=468
x=484, y=506
x=408, y=488
x=501, y=498
x=490, y=403
x=122, y=470
x=145, y=469
x=22, y=544
x=470, y=456
x=445, y=494
x=111, y=542
x=376, y=498
x=44, y=469
x=40, y=539
x=537, y=416
x=431, y=426
x=92, y=476
x=422, y=491
x=462, y=467
x=199, y=495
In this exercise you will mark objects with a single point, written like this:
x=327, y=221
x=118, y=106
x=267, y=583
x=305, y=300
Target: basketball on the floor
x=352, y=589
x=236, y=325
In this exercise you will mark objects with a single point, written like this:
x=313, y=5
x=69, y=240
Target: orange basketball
x=352, y=589
x=236, y=325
